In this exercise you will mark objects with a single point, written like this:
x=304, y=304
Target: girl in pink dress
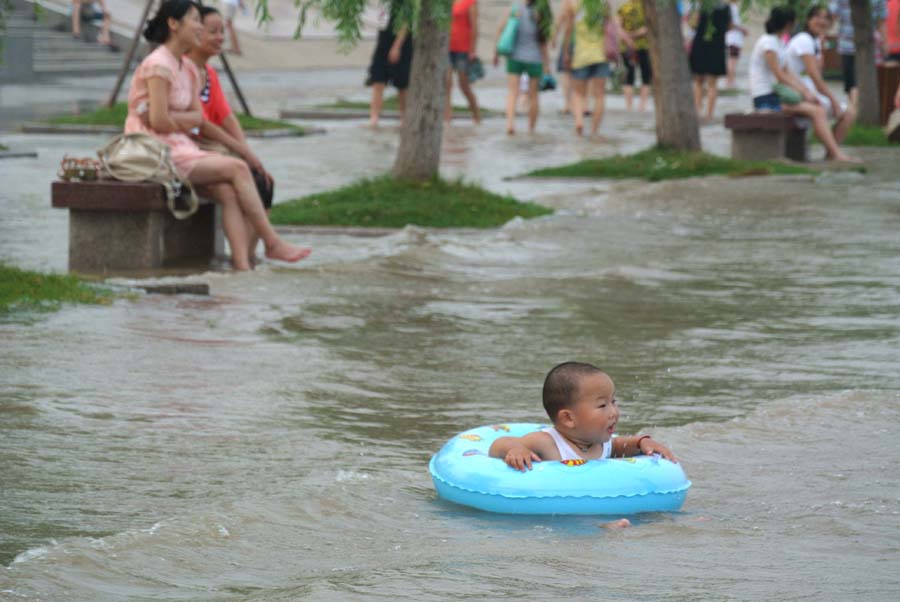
x=164, y=101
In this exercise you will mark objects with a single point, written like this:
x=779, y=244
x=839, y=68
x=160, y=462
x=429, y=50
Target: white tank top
x=567, y=452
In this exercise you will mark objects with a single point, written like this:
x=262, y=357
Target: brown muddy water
x=270, y=442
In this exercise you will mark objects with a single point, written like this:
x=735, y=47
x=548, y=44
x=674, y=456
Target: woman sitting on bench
x=803, y=59
x=164, y=101
x=772, y=86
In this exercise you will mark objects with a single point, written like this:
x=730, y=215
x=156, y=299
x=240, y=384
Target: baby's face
x=596, y=411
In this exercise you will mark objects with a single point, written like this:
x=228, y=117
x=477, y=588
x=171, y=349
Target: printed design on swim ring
x=464, y=473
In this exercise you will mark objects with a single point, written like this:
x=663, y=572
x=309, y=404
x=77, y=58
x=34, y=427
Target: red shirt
x=212, y=98
x=892, y=27
x=461, y=26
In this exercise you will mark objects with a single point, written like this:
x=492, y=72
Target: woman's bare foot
x=284, y=251
x=622, y=523
x=844, y=158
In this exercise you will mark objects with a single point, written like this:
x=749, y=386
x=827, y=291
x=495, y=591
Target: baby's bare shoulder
x=542, y=444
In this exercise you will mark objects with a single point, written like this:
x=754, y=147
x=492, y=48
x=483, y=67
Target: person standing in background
x=847, y=47
x=463, y=42
x=707, y=55
x=230, y=8
x=631, y=17
x=734, y=42
x=97, y=12
x=391, y=64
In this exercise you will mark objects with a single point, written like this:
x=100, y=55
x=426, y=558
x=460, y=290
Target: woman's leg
x=448, y=109
x=646, y=78
x=698, y=93
x=467, y=91
x=565, y=80
x=512, y=96
x=219, y=169
x=843, y=125
x=533, y=107
x=628, y=88
x=401, y=103
x=712, y=93
x=598, y=91
x=820, y=126
x=579, y=101
x=233, y=222
x=76, y=18
x=376, y=104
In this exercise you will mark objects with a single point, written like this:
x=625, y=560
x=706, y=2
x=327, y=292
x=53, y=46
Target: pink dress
x=184, y=86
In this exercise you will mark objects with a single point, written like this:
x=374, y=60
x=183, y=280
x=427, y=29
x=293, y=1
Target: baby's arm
x=520, y=452
x=625, y=447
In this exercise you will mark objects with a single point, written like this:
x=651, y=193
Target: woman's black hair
x=157, y=30
x=779, y=18
x=811, y=12
x=208, y=10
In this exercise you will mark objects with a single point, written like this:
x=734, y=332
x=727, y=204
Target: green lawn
x=3, y=147
x=656, y=164
x=865, y=135
x=116, y=115
x=389, y=203
x=22, y=289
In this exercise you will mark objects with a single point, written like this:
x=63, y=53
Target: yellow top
x=590, y=45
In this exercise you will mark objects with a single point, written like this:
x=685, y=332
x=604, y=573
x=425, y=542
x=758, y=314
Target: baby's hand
x=520, y=458
x=650, y=447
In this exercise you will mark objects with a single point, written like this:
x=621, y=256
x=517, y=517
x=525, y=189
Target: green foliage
x=656, y=164
x=346, y=15
x=863, y=135
x=22, y=289
x=390, y=203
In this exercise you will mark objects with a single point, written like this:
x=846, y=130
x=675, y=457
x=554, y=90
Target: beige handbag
x=140, y=157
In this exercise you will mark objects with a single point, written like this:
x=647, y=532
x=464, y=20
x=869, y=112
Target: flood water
x=270, y=442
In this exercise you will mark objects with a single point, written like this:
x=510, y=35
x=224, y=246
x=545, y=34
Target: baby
x=581, y=402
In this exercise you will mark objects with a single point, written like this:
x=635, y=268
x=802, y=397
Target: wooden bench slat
x=764, y=121
x=111, y=195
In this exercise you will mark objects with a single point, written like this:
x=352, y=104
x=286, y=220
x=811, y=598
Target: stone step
x=95, y=53
x=92, y=68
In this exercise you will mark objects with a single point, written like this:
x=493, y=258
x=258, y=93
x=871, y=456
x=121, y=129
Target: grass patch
x=116, y=114
x=386, y=202
x=657, y=164
x=22, y=289
x=3, y=147
x=863, y=135
x=391, y=103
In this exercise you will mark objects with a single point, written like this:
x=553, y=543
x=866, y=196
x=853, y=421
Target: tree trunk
x=676, y=117
x=866, y=73
x=419, y=155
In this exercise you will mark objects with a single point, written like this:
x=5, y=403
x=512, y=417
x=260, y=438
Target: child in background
x=230, y=9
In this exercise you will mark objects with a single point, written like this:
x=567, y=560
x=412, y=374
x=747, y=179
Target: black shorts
x=642, y=57
x=848, y=68
x=734, y=52
x=381, y=71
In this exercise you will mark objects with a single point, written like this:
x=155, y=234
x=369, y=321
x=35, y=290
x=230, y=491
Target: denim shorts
x=459, y=61
x=590, y=71
x=767, y=102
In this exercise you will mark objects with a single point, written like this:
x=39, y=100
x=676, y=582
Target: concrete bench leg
x=101, y=241
x=757, y=145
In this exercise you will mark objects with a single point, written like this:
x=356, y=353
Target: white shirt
x=567, y=452
x=735, y=37
x=801, y=45
x=762, y=80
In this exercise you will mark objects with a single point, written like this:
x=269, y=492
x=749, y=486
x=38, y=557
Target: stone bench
x=762, y=136
x=121, y=226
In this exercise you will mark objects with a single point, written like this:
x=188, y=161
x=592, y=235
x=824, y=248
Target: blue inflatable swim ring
x=463, y=473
